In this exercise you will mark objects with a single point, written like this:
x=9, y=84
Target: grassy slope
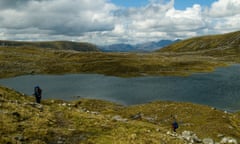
x=60, y=45
x=204, y=43
x=90, y=121
x=225, y=47
x=20, y=61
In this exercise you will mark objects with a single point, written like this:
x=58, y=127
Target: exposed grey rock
x=137, y=116
x=208, y=141
x=190, y=137
x=150, y=119
x=220, y=135
x=158, y=130
x=95, y=113
x=213, y=108
x=119, y=118
x=174, y=134
x=187, y=135
x=228, y=140
x=36, y=105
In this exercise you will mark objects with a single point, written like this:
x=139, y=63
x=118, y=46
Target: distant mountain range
x=83, y=46
x=60, y=45
x=144, y=47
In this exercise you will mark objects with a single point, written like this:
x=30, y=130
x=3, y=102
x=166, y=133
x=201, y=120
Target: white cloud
x=102, y=22
x=223, y=16
x=225, y=8
x=68, y=17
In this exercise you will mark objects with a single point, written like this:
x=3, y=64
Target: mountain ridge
x=218, y=42
x=58, y=45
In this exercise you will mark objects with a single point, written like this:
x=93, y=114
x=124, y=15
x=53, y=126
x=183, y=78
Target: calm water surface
x=220, y=89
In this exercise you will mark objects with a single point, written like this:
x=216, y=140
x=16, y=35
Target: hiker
x=37, y=94
x=174, y=124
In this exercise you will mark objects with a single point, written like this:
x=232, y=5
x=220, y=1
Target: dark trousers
x=38, y=99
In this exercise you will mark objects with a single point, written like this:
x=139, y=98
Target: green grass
x=90, y=121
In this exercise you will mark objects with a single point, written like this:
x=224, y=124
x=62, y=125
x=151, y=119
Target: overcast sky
x=105, y=22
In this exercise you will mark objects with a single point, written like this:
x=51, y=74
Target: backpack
x=175, y=125
x=37, y=91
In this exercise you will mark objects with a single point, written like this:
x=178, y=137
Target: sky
x=104, y=22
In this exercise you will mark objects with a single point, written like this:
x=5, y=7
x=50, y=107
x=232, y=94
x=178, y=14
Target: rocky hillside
x=60, y=45
x=100, y=122
x=225, y=43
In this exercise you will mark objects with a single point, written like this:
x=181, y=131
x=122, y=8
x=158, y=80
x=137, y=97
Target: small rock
x=138, y=116
x=196, y=139
x=119, y=118
x=208, y=141
x=228, y=140
x=213, y=108
x=220, y=135
x=148, y=131
x=150, y=119
x=168, y=132
x=172, y=134
x=95, y=113
x=190, y=137
x=158, y=130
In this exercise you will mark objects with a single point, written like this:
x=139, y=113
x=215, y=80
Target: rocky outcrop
x=191, y=138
